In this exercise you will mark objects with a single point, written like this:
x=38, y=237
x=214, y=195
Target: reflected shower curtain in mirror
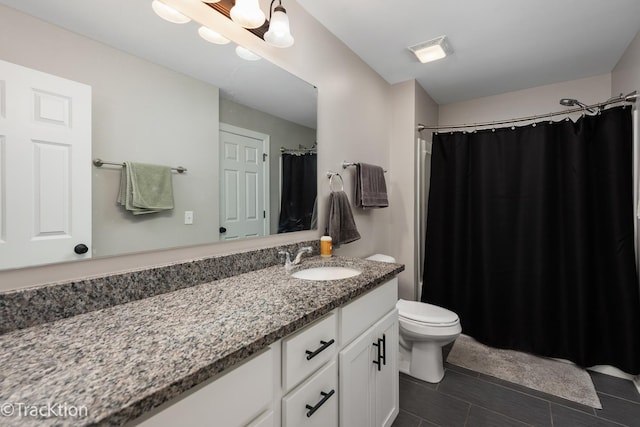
x=299, y=189
x=530, y=238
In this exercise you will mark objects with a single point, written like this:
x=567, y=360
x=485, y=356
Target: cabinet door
x=369, y=376
x=357, y=382
x=386, y=379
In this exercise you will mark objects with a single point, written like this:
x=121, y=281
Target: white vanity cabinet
x=365, y=372
x=340, y=370
x=369, y=363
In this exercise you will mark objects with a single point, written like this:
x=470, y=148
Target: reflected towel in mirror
x=145, y=188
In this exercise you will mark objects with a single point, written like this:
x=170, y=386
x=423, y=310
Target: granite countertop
x=116, y=363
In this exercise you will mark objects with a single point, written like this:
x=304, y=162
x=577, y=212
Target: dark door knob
x=80, y=249
x=223, y=230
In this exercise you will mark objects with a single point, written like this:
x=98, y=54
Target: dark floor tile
x=565, y=417
x=480, y=417
x=432, y=406
x=405, y=419
x=417, y=381
x=619, y=410
x=426, y=423
x=497, y=398
x=615, y=386
x=536, y=393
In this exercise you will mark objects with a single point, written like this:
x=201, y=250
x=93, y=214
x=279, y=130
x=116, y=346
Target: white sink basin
x=326, y=273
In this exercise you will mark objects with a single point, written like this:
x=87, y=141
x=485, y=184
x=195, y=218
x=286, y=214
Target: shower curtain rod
x=298, y=150
x=631, y=97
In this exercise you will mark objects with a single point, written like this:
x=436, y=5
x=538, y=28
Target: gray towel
x=371, y=187
x=342, y=227
x=145, y=188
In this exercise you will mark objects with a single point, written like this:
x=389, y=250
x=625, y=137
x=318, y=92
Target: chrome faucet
x=288, y=264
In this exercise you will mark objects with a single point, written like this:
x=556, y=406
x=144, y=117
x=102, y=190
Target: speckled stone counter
x=53, y=301
x=120, y=361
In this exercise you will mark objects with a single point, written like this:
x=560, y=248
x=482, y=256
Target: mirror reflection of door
x=45, y=154
x=244, y=183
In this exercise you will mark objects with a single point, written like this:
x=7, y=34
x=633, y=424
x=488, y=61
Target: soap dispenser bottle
x=326, y=245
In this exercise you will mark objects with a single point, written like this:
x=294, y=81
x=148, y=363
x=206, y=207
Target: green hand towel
x=146, y=188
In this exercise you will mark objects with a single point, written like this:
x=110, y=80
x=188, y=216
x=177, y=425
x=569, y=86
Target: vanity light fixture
x=279, y=34
x=432, y=50
x=168, y=13
x=247, y=13
x=212, y=36
x=245, y=53
x=275, y=30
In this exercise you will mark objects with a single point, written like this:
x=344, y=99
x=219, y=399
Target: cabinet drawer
x=233, y=399
x=363, y=312
x=307, y=350
x=315, y=402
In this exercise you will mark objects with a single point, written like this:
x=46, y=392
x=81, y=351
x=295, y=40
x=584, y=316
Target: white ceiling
x=499, y=45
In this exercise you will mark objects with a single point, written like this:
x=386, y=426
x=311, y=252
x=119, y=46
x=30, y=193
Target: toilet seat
x=420, y=313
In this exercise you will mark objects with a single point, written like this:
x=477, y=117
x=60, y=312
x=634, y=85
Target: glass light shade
x=212, y=36
x=245, y=53
x=247, y=13
x=168, y=13
x=279, y=34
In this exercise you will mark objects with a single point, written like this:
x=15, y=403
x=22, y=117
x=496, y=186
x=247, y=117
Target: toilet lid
x=425, y=313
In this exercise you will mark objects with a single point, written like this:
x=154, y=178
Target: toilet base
x=426, y=361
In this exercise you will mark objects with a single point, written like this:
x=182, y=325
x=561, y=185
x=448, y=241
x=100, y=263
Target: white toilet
x=424, y=330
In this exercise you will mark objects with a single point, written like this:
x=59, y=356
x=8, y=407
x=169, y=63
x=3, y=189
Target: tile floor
x=469, y=398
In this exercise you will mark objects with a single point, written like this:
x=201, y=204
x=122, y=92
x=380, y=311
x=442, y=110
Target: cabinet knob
x=80, y=249
x=223, y=230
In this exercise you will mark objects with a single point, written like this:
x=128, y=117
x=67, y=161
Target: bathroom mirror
x=160, y=94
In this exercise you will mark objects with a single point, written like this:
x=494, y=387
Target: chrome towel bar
x=99, y=162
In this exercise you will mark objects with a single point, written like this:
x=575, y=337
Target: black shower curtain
x=299, y=179
x=530, y=238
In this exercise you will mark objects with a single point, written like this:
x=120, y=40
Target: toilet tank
x=381, y=258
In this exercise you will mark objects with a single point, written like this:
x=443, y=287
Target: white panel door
x=45, y=167
x=243, y=184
